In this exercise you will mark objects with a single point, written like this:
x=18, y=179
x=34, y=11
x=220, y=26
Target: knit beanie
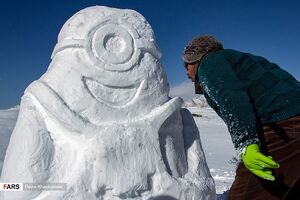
x=199, y=47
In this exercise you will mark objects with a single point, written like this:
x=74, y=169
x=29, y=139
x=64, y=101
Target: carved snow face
x=106, y=66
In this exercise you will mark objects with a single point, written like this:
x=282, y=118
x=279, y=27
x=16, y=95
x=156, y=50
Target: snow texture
x=100, y=119
x=216, y=141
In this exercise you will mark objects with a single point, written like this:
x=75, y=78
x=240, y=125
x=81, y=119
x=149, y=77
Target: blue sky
x=29, y=32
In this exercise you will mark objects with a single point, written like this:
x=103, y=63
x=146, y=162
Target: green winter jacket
x=247, y=92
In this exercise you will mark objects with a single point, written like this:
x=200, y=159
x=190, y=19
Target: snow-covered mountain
x=197, y=101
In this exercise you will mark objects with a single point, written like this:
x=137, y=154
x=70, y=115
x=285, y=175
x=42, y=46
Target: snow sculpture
x=100, y=119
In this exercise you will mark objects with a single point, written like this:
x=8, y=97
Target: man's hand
x=259, y=164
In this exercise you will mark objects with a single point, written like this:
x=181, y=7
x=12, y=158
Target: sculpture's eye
x=113, y=45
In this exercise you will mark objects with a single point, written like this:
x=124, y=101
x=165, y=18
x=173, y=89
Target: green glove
x=259, y=164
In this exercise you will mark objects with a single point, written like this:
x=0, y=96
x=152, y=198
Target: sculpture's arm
x=30, y=150
x=194, y=152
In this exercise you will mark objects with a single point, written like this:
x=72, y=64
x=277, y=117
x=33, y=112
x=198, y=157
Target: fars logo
x=11, y=186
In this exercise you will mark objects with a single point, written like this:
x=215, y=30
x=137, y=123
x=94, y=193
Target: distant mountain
x=16, y=108
x=197, y=101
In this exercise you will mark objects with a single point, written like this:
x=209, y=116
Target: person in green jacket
x=260, y=104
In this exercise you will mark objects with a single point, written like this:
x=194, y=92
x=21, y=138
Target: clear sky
x=29, y=31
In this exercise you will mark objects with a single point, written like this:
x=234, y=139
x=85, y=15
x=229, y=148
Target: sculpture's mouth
x=114, y=96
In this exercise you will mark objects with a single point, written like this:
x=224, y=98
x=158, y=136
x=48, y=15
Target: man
x=260, y=104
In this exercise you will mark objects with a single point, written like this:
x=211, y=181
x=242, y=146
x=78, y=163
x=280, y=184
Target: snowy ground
x=215, y=139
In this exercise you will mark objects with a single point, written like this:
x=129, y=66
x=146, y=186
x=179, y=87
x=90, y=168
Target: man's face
x=191, y=70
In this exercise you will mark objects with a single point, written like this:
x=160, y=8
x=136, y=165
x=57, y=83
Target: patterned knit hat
x=199, y=47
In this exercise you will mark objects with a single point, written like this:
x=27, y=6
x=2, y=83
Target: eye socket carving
x=113, y=45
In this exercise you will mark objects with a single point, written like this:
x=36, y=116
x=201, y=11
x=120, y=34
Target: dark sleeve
x=219, y=80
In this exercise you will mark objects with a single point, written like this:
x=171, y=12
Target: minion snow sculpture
x=101, y=121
